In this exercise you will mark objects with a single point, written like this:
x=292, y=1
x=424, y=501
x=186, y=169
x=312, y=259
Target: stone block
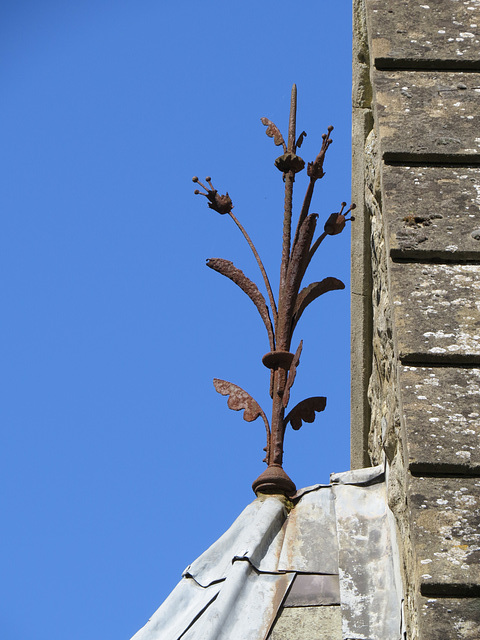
x=308, y=623
x=436, y=312
x=449, y=618
x=428, y=34
x=445, y=514
x=428, y=116
x=441, y=408
x=432, y=212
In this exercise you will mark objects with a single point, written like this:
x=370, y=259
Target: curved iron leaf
x=238, y=399
x=274, y=132
x=292, y=372
x=312, y=292
x=304, y=411
x=229, y=270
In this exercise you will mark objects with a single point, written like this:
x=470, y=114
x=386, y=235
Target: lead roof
x=335, y=546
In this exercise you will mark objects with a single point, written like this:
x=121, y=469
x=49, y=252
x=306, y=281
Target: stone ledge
x=436, y=311
x=441, y=408
x=445, y=515
x=427, y=115
x=452, y=618
x=432, y=212
x=421, y=33
x=361, y=305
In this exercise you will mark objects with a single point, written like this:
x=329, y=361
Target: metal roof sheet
x=336, y=545
x=370, y=589
x=178, y=612
x=246, y=605
x=256, y=534
x=304, y=549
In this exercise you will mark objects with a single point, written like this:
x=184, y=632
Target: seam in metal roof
x=236, y=588
x=256, y=534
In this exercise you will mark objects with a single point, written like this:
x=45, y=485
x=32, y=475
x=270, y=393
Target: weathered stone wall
x=416, y=287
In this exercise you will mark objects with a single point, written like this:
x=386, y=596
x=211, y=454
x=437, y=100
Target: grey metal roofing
x=336, y=546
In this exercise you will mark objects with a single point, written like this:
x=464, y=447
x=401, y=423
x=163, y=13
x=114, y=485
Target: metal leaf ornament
x=300, y=139
x=238, y=399
x=229, y=270
x=280, y=319
x=312, y=292
x=305, y=410
x=273, y=132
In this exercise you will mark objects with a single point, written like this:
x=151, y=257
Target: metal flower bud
x=335, y=223
x=222, y=204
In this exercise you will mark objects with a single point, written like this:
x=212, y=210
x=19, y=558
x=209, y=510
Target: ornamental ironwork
x=280, y=320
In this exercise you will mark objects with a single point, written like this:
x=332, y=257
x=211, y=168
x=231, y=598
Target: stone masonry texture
x=437, y=311
x=433, y=212
x=441, y=412
x=426, y=115
x=449, y=618
x=437, y=34
x=446, y=530
x=416, y=285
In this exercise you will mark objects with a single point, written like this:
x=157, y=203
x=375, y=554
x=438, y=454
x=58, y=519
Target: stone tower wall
x=416, y=293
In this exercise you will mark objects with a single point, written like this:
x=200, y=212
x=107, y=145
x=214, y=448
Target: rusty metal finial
x=280, y=322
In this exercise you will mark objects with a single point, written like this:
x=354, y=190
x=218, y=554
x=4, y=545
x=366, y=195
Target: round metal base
x=275, y=359
x=274, y=480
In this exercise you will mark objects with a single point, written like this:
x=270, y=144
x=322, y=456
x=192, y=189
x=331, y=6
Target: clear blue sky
x=119, y=462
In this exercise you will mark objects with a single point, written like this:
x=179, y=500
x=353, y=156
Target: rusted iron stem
x=305, y=207
x=267, y=429
x=315, y=171
x=289, y=180
x=293, y=280
x=278, y=414
x=287, y=220
x=262, y=268
x=315, y=246
x=292, y=123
